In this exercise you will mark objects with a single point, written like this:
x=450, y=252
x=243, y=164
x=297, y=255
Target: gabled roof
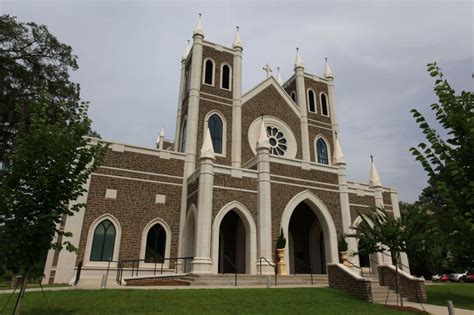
x=271, y=81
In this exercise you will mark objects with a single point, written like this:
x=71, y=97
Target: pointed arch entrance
x=234, y=240
x=311, y=234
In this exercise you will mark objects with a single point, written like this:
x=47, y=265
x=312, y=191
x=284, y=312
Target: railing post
x=154, y=270
x=162, y=266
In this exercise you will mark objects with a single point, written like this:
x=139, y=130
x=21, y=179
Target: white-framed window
x=293, y=96
x=156, y=243
x=226, y=77
x=103, y=241
x=324, y=104
x=208, y=71
x=311, y=101
x=322, y=150
x=182, y=141
x=217, y=125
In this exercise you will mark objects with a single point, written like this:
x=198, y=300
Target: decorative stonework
x=110, y=194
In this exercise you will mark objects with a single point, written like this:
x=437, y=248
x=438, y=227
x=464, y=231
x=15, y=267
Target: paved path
x=439, y=310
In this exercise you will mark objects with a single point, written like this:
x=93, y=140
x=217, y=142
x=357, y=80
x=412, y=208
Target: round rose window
x=277, y=141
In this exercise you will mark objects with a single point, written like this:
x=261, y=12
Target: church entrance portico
x=311, y=235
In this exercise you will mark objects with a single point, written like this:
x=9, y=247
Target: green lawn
x=462, y=294
x=197, y=301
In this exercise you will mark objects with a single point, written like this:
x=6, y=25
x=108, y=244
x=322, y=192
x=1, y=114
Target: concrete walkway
x=438, y=310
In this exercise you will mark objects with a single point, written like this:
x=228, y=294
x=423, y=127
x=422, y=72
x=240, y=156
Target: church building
x=243, y=167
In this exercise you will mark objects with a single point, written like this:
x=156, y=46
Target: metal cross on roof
x=267, y=69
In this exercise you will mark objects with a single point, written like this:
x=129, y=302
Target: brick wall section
x=314, y=132
x=343, y=280
x=291, y=87
x=317, y=87
x=153, y=281
x=411, y=288
x=219, y=58
x=386, y=199
x=269, y=102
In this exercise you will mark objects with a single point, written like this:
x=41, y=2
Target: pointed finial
x=187, y=50
x=338, y=155
x=207, y=149
x=262, y=141
x=237, y=41
x=162, y=132
x=199, y=30
x=298, y=60
x=327, y=71
x=279, y=79
x=374, y=180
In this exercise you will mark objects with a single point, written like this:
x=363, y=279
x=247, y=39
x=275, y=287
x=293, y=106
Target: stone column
x=237, y=105
x=396, y=213
x=301, y=99
x=264, y=202
x=182, y=86
x=202, y=262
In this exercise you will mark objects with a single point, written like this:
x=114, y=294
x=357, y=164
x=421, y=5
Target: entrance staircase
x=383, y=294
x=245, y=280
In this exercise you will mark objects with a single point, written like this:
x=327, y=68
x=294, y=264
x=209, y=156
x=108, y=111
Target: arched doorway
x=232, y=240
x=189, y=243
x=306, y=242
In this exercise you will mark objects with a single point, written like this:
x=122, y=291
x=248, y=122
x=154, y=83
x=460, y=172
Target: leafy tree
x=50, y=163
x=447, y=157
x=34, y=65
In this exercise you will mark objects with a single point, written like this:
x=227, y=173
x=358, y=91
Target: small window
x=155, y=244
x=324, y=105
x=311, y=101
x=215, y=126
x=293, y=96
x=103, y=242
x=322, y=151
x=225, y=79
x=183, y=137
x=209, y=72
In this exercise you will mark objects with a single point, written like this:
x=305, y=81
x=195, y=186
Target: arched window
x=215, y=126
x=324, y=105
x=293, y=96
x=183, y=137
x=155, y=244
x=225, y=77
x=311, y=101
x=209, y=72
x=103, y=242
x=322, y=151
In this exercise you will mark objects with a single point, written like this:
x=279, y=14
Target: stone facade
x=190, y=192
x=410, y=287
x=341, y=278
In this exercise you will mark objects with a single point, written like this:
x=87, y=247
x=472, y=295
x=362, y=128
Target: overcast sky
x=130, y=51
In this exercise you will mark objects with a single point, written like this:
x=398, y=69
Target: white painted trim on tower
x=327, y=104
x=316, y=149
x=224, y=130
x=222, y=76
x=204, y=71
x=314, y=99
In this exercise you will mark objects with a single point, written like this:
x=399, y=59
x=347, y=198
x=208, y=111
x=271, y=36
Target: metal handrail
x=307, y=266
x=235, y=269
x=274, y=268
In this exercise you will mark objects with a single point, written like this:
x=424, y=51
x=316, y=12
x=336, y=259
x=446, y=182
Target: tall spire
x=207, y=149
x=262, y=140
x=327, y=71
x=338, y=155
x=237, y=41
x=186, y=50
x=374, y=180
x=279, y=79
x=199, y=30
x=298, y=60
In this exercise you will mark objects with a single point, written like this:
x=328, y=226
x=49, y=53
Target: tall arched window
x=216, y=129
x=293, y=96
x=324, y=105
x=182, y=147
x=103, y=242
x=225, y=77
x=209, y=72
x=311, y=101
x=155, y=244
x=322, y=151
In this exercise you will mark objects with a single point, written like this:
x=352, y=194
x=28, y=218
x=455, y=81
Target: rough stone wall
x=135, y=205
x=342, y=280
x=317, y=87
x=412, y=289
x=387, y=201
x=219, y=58
x=269, y=102
x=152, y=281
x=291, y=87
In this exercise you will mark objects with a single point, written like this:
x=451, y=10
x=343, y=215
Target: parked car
x=469, y=277
x=456, y=276
x=440, y=277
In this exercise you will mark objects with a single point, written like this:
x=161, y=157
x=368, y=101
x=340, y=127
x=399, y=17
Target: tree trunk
x=19, y=300
x=397, y=256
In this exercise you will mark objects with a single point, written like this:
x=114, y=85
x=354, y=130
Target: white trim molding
x=204, y=71
x=324, y=218
x=224, y=130
x=314, y=100
x=144, y=240
x=327, y=104
x=90, y=239
x=250, y=236
x=222, y=76
x=328, y=146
